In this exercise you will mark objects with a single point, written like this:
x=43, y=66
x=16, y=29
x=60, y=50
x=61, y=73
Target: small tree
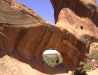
x=88, y=66
x=80, y=71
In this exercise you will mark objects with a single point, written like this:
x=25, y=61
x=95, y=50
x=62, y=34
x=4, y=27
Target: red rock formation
x=25, y=35
x=79, y=7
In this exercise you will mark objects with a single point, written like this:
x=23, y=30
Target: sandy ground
x=94, y=72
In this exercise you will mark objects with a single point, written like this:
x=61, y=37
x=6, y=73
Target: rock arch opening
x=52, y=58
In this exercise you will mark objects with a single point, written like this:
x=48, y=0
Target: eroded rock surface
x=25, y=35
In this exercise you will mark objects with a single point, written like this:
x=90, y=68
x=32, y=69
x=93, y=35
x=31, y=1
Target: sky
x=41, y=7
x=44, y=9
x=50, y=51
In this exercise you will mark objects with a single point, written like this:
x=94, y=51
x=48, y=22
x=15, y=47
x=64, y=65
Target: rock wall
x=78, y=17
x=25, y=35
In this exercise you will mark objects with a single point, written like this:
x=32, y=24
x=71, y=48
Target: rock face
x=93, y=46
x=25, y=36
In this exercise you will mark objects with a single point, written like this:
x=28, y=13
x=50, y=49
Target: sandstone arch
x=27, y=35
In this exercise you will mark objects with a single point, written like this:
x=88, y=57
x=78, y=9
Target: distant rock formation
x=93, y=46
x=27, y=36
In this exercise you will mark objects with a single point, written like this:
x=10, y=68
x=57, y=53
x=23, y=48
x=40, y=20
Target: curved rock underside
x=24, y=36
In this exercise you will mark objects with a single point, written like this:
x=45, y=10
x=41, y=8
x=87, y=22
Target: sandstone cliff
x=25, y=36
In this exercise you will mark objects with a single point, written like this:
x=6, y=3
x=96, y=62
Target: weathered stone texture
x=25, y=36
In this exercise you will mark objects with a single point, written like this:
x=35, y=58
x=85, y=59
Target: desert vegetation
x=80, y=71
x=92, y=61
x=52, y=59
x=91, y=64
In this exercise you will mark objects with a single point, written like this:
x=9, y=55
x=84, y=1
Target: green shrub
x=80, y=71
x=88, y=66
x=82, y=64
x=50, y=59
x=93, y=55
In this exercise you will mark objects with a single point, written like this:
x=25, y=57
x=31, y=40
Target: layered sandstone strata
x=25, y=35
